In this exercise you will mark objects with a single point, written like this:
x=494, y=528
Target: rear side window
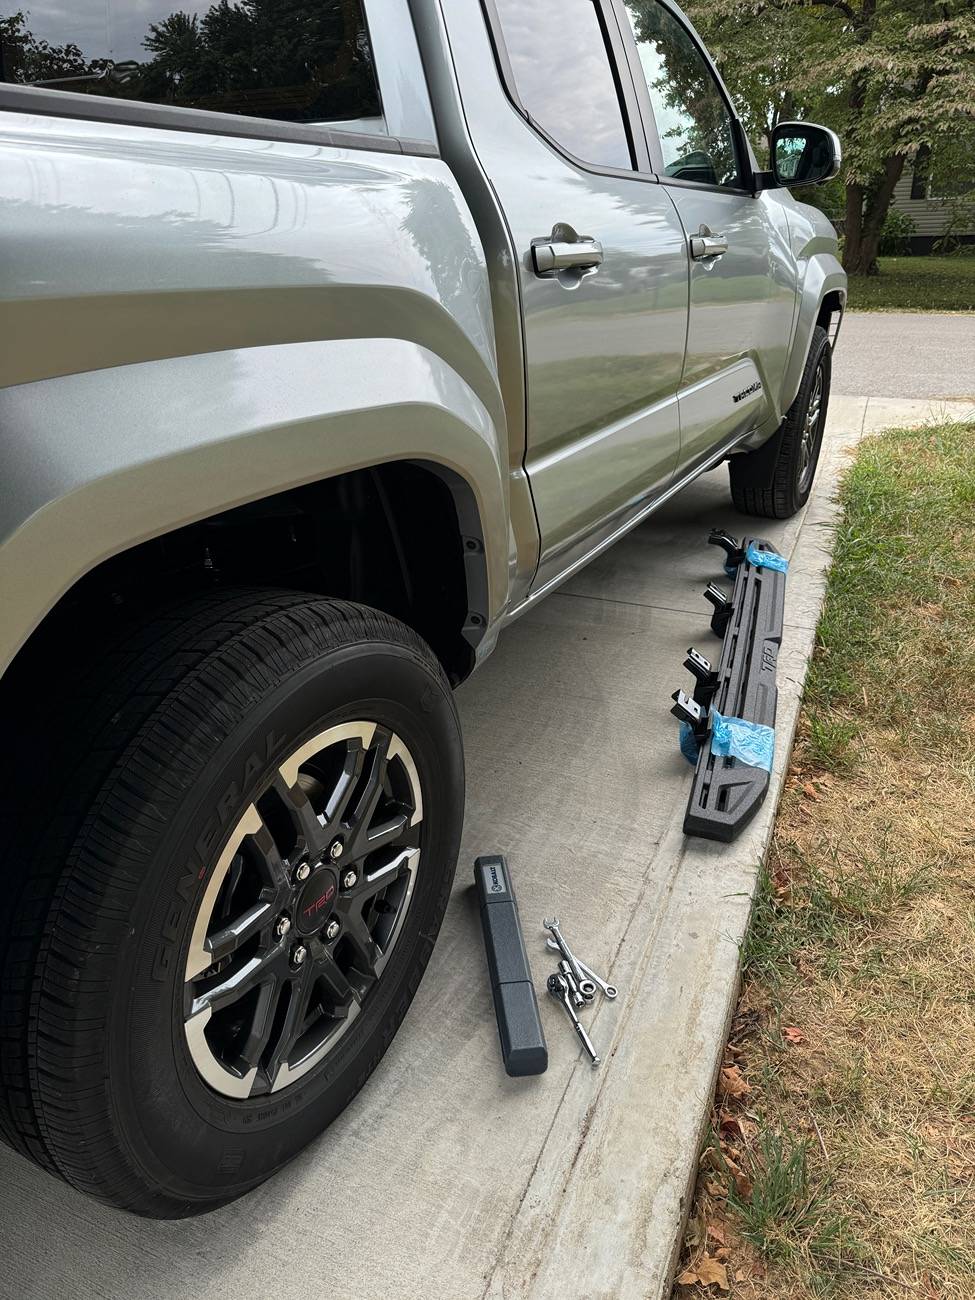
x=564, y=78
x=288, y=60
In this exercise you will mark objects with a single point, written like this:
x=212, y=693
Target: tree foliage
x=891, y=76
x=302, y=60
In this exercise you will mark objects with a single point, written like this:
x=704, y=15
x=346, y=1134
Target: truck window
x=564, y=78
x=692, y=116
x=307, y=61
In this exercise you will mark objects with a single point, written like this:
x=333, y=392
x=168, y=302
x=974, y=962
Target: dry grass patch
x=842, y=1157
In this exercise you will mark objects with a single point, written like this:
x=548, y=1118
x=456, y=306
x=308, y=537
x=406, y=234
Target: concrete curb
x=624, y=1155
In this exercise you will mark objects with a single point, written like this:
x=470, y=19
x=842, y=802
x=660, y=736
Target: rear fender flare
x=96, y=463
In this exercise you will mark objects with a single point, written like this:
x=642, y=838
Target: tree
x=892, y=76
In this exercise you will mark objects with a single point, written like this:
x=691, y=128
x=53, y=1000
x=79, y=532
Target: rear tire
x=159, y=791
x=774, y=482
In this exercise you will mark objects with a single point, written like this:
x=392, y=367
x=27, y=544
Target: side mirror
x=804, y=154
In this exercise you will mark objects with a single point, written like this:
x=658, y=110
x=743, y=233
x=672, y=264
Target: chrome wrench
x=566, y=952
x=559, y=990
x=610, y=990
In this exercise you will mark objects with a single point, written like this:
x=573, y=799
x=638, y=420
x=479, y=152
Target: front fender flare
x=824, y=275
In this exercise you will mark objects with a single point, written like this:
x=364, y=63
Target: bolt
x=335, y=852
x=303, y=872
x=298, y=954
x=282, y=927
x=332, y=930
x=349, y=879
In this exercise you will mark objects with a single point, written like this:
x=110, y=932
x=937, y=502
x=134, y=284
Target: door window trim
x=625, y=89
x=648, y=118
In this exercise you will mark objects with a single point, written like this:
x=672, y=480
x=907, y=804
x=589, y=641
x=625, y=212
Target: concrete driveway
x=445, y=1178
x=906, y=354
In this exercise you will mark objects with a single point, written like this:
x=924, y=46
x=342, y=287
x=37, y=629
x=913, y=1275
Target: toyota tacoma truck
x=335, y=334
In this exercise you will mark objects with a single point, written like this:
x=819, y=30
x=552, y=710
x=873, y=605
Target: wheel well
x=403, y=537
x=832, y=305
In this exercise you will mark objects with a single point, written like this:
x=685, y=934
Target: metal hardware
x=579, y=998
x=559, y=990
x=298, y=955
x=706, y=244
x=732, y=548
x=564, y=948
x=332, y=930
x=722, y=608
x=550, y=256
x=349, y=879
x=688, y=710
x=335, y=852
x=609, y=990
x=283, y=926
x=303, y=872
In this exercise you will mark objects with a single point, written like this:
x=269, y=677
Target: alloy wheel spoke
x=340, y=990
x=337, y=804
x=312, y=835
x=368, y=954
x=270, y=862
x=262, y=1024
x=302, y=983
x=365, y=808
x=215, y=997
x=383, y=876
x=225, y=941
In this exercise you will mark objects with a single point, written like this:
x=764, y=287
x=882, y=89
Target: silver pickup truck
x=335, y=334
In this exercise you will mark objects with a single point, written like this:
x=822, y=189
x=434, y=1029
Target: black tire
x=160, y=748
x=774, y=482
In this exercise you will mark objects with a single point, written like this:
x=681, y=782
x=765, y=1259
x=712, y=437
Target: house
x=935, y=214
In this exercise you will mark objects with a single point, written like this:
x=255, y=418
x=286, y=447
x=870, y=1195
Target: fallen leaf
x=811, y=790
x=706, y=1272
x=793, y=1035
x=717, y=1233
x=743, y=1185
x=732, y=1084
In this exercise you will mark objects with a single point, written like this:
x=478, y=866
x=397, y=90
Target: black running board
x=726, y=792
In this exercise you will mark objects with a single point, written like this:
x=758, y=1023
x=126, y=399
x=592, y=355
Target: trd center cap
x=316, y=900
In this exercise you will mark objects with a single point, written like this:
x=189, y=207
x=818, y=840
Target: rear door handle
x=707, y=245
x=550, y=255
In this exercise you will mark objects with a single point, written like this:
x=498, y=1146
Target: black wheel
x=235, y=880
x=775, y=481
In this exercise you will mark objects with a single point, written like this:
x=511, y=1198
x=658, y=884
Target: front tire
x=229, y=907
x=774, y=482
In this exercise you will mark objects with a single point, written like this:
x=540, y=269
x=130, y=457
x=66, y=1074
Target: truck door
x=742, y=276
x=602, y=261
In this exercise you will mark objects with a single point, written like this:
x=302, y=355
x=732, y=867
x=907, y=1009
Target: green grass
x=900, y=594
x=845, y=1165
x=916, y=284
x=783, y=1213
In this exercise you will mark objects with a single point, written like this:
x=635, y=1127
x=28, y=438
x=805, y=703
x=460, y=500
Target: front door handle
x=707, y=245
x=551, y=255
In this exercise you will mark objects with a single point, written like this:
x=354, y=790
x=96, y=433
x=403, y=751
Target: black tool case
x=726, y=792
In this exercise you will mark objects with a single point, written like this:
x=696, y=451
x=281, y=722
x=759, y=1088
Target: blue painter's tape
x=766, y=559
x=751, y=742
x=690, y=746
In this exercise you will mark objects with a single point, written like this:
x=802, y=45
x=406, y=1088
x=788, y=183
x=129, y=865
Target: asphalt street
x=906, y=354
